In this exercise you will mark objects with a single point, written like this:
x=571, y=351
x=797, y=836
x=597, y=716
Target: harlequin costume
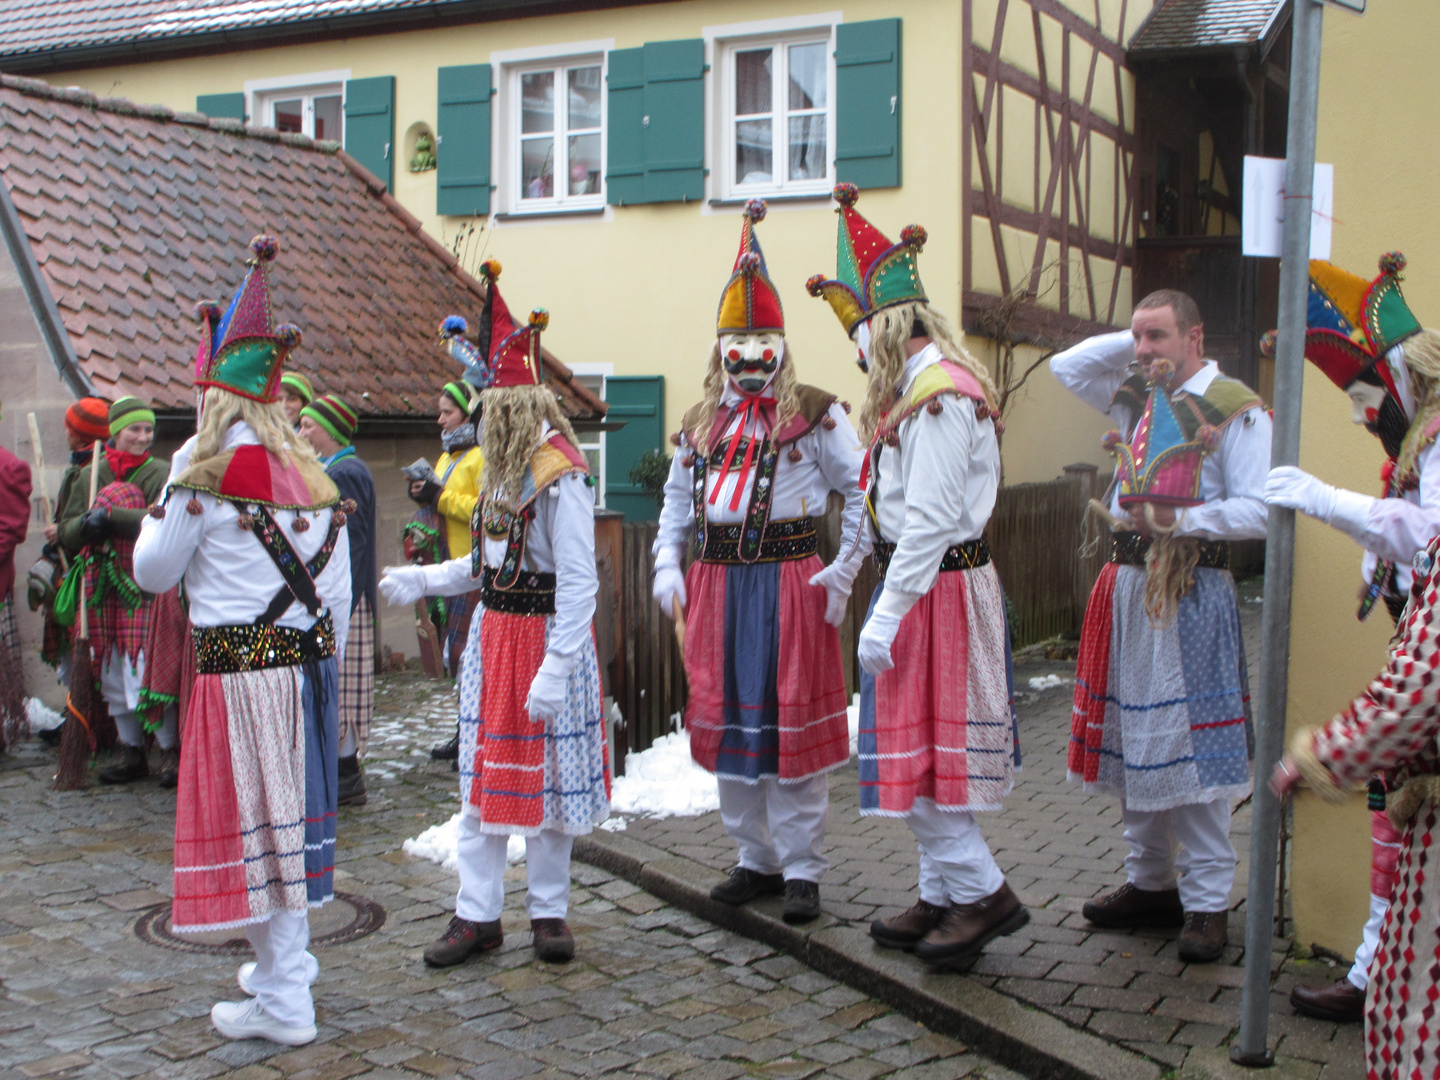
x=756, y=461
x=1162, y=705
x=259, y=541
x=937, y=738
x=533, y=759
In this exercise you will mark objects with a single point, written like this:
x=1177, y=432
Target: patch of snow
x=852, y=717
x=41, y=716
x=439, y=843
x=615, y=824
x=1048, y=682
x=664, y=782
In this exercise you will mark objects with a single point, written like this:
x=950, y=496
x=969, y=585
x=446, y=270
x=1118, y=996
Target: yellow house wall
x=1383, y=202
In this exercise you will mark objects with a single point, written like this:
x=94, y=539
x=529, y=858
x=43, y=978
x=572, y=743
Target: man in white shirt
x=1162, y=708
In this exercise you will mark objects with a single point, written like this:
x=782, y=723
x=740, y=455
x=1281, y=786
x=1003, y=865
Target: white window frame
x=722, y=45
x=510, y=66
x=262, y=94
x=590, y=370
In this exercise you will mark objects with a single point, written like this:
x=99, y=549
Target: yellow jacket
x=457, y=501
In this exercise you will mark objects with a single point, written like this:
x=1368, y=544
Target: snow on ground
x=439, y=842
x=1048, y=682
x=41, y=716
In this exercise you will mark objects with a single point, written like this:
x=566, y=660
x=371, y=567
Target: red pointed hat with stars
x=513, y=350
x=750, y=303
x=871, y=273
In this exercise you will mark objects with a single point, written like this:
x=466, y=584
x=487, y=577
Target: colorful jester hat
x=1352, y=323
x=512, y=351
x=239, y=351
x=1161, y=464
x=750, y=304
x=871, y=272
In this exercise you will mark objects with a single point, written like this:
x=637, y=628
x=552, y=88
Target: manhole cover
x=345, y=918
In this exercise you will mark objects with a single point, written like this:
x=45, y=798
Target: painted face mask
x=1376, y=409
x=751, y=360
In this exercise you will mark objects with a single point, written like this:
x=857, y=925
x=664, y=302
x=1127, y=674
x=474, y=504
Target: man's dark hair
x=1187, y=312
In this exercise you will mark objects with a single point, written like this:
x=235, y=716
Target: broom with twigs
x=78, y=742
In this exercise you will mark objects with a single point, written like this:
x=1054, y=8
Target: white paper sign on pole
x=1263, y=208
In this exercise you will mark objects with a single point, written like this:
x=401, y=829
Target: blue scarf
x=344, y=451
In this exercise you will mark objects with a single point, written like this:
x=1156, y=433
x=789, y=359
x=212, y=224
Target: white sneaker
x=242, y=978
x=247, y=1020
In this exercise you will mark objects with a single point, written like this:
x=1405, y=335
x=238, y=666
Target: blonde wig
x=1422, y=357
x=220, y=408
x=783, y=388
x=1169, y=564
x=889, y=331
x=514, y=422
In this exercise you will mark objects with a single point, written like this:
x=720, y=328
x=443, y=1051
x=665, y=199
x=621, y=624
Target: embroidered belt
x=966, y=556
x=532, y=594
x=224, y=650
x=1130, y=548
x=781, y=541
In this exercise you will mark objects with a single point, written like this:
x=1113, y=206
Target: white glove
x=837, y=580
x=547, y=689
x=1344, y=510
x=669, y=584
x=402, y=585
x=875, y=641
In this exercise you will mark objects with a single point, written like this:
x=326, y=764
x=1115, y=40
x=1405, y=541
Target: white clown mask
x=752, y=359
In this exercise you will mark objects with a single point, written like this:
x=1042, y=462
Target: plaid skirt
x=357, y=676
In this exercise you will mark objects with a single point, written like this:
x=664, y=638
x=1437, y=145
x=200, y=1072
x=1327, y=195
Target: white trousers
x=1369, y=941
x=482, y=873
x=778, y=827
x=955, y=861
x=132, y=733
x=120, y=685
x=1205, y=861
x=284, y=969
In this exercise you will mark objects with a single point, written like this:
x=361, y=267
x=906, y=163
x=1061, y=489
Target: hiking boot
x=903, y=931
x=352, y=782
x=963, y=932
x=1340, y=1002
x=131, y=766
x=743, y=885
x=170, y=767
x=462, y=938
x=1203, y=939
x=802, y=901
x=553, y=941
x=1128, y=906
x=449, y=750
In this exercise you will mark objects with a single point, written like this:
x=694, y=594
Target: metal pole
x=1250, y=1048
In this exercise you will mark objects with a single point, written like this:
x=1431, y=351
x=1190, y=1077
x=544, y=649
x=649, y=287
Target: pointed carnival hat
x=1351, y=323
x=871, y=273
x=750, y=303
x=1161, y=464
x=505, y=353
x=239, y=351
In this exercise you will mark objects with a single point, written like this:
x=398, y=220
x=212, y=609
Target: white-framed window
x=775, y=123
x=553, y=137
x=593, y=377
x=311, y=104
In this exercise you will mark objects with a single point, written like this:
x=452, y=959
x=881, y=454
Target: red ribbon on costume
x=760, y=410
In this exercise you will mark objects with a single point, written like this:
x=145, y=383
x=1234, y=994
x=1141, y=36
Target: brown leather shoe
x=744, y=885
x=170, y=767
x=553, y=941
x=461, y=939
x=1340, y=1002
x=1203, y=939
x=956, y=943
x=1128, y=906
x=131, y=766
x=903, y=931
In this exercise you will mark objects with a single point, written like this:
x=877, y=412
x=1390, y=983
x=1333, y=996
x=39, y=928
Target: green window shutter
x=226, y=106
x=867, y=103
x=657, y=123
x=370, y=125
x=462, y=184
x=639, y=400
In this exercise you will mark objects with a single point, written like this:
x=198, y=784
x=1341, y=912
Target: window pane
x=752, y=152
x=807, y=76
x=537, y=165
x=807, y=147
x=585, y=97
x=289, y=115
x=327, y=117
x=584, y=154
x=537, y=101
x=752, y=81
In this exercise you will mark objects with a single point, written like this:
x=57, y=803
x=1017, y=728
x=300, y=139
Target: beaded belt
x=1129, y=549
x=966, y=556
x=532, y=594
x=224, y=650
x=784, y=540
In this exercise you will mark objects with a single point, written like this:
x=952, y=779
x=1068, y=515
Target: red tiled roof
x=1182, y=25
x=135, y=213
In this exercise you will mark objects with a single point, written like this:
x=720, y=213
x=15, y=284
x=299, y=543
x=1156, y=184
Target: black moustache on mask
x=738, y=368
x=1390, y=426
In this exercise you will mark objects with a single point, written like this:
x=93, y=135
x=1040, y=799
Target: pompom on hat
x=476, y=371
x=240, y=350
x=1351, y=323
x=750, y=303
x=871, y=273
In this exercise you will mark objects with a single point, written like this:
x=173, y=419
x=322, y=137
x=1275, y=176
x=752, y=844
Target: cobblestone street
x=653, y=992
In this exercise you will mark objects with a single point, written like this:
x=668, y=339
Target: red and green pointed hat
x=1352, y=323
x=239, y=351
x=871, y=273
x=750, y=303
x=513, y=350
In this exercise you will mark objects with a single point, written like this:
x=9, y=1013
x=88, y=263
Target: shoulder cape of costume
x=251, y=474
x=553, y=458
x=946, y=377
x=813, y=402
x=1224, y=399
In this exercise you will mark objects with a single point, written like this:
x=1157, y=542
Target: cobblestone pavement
x=653, y=992
x=1060, y=847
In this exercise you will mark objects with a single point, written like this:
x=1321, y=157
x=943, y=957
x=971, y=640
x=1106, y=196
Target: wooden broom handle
x=94, y=479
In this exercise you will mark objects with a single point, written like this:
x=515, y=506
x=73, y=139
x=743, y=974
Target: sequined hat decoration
x=1161, y=464
x=750, y=302
x=871, y=273
x=239, y=351
x=513, y=351
x=1352, y=323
